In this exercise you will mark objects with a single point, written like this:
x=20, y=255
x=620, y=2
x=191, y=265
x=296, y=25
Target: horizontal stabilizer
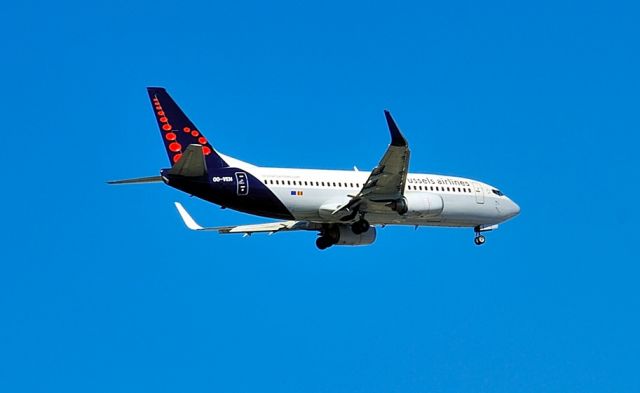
x=191, y=163
x=138, y=180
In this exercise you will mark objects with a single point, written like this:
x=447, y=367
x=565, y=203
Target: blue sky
x=102, y=288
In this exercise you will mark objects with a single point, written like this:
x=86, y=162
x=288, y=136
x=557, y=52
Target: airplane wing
x=247, y=230
x=386, y=182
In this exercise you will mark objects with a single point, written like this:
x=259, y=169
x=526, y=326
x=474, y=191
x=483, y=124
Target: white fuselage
x=312, y=194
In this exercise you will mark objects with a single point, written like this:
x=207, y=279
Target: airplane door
x=479, y=191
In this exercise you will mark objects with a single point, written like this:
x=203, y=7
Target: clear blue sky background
x=102, y=289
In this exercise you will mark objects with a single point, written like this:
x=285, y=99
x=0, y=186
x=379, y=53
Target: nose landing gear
x=479, y=238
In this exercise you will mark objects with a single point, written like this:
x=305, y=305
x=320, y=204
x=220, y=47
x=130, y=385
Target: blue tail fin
x=178, y=132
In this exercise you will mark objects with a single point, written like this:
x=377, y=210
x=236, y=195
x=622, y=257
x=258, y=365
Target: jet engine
x=418, y=205
x=343, y=235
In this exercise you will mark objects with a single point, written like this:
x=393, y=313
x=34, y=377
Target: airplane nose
x=513, y=209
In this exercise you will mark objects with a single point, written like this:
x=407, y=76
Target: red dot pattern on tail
x=175, y=146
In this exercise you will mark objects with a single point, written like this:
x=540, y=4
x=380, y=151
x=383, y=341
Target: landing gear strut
x=360, y=226
x=479, y=239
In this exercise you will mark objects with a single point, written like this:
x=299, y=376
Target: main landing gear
x=479, y=239
x=360, y=226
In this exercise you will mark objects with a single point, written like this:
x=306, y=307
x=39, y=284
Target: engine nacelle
x=342, y=235
x=419, y=205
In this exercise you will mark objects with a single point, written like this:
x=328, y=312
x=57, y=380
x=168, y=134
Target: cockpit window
x=497, y=192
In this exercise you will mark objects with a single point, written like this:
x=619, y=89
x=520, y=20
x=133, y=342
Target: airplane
x=343, y=207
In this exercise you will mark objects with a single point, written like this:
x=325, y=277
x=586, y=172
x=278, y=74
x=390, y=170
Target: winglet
x=188, y=220
x=397, y=139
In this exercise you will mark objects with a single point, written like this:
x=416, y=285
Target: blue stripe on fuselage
x=220, y=186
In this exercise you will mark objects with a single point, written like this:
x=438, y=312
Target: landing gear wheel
x=323, y=242
x=360, y=226
x=479, y=240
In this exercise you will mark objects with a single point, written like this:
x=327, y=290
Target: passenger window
x=317, y=183
x=288, y=182
x=322, y=184
x=339, y=184
x=334, y=184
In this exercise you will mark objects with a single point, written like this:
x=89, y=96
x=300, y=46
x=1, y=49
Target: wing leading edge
x=269, y=227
